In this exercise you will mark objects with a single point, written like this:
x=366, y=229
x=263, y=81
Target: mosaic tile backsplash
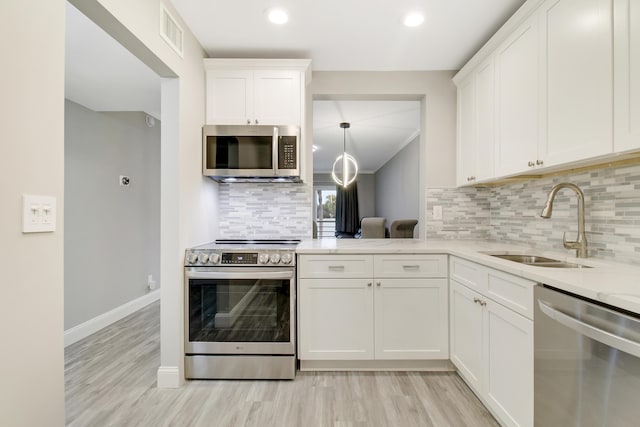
x=265, y=211
x=511, y=213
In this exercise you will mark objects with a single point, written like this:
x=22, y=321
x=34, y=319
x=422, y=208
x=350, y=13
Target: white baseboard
x=169, y=377
x=91, y=326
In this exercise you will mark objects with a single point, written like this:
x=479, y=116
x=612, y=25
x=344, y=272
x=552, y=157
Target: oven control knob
x=192, y=258
x=203, y=258
x=286, y=258
x=263, y=258
x=275, y=258
x=214, y=258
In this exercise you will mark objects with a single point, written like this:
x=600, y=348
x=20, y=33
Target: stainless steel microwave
x=251, y=153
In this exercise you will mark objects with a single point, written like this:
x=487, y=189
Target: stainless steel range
x=240, y=310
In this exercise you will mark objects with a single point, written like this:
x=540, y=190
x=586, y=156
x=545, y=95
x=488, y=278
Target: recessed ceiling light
x=413, y=19
x=277, y=16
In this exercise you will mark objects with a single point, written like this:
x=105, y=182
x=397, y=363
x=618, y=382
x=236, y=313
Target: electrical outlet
x=38, y=214
x=151, y=284
x=437, y=212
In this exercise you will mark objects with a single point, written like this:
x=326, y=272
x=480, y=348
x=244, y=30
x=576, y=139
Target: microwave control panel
x=287, y=152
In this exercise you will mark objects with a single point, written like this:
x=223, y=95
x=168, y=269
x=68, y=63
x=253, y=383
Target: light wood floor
x=111, y=381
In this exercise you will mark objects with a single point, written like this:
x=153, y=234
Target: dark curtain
x=347, y=215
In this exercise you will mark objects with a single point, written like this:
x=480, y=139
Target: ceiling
x=101, y=74
x=349, y=35
x=379, y=130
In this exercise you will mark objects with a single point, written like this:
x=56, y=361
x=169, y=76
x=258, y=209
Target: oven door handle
x=275, y=275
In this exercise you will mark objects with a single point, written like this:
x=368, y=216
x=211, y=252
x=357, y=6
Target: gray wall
x=366, y=191
x=112, y=233
x=397, y=187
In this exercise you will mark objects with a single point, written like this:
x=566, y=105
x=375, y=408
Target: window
x=324, y=203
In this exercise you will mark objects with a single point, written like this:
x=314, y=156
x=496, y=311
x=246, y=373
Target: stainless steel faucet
x=579, y=245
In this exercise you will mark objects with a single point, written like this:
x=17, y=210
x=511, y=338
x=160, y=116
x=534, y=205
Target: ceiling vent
x=170, y=31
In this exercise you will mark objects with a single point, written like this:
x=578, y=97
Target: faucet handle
x=570, y=244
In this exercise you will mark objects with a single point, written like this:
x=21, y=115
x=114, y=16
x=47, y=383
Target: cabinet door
x=485, y=120
x=466, y=131
x=466, y=334
x=627, y=75
x=277, y=97
x=229, y=97
x=576, y=36
x=509, y=364
x=336, y=319
x=517, y=79
x=411, y=318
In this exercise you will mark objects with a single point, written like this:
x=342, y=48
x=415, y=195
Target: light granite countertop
x=609, y=282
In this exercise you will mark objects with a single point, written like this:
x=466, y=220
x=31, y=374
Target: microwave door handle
x=275, y=150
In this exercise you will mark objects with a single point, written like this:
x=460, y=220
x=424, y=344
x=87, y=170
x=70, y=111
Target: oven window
x=239, y=310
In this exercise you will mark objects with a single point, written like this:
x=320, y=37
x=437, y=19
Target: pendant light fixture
x=344, y=160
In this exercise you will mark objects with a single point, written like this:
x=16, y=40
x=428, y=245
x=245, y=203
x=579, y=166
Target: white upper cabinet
x=476, y=125
x=485, y=120
x=229, y=97
x=517, y=101
x=627, y=75
x=277, y=97
x=576, y=79
x=255, y=92
x=466, y=131
x=567, y=90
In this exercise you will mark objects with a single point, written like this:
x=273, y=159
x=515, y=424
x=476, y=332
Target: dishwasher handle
x=593, y=332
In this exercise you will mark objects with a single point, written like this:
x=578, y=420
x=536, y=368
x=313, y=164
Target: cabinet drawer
x=339, y=266
x=511, y=291
x=470, y=274
x=386, y=266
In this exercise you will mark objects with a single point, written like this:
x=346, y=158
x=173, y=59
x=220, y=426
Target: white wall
x=32, y=162
x=112, y=232
x=188, y=205
x=396, y=183
x=437, y=94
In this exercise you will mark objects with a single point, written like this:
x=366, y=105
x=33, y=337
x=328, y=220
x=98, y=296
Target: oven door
x=239, y=310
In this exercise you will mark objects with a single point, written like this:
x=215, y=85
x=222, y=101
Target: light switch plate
x=38, y=214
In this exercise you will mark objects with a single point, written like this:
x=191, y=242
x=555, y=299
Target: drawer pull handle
x=336, y=267
x=378, y=283
x=411, y=267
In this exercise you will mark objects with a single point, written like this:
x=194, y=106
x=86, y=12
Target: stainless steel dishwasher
x=586, y=362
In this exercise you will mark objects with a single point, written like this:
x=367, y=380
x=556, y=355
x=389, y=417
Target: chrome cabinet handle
x=476, y=300
x=411, y=267
x=369, y=284
x=256, y=121
x=248, y=121
x=531, y=164
x=539, y=162
x=378, y=284
x=336, y=267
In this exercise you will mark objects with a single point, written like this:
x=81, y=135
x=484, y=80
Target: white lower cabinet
x=492, y=346
x=335, y=319
x=373, y=317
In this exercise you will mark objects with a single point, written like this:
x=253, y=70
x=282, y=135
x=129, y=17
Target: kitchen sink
x=535, y=260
